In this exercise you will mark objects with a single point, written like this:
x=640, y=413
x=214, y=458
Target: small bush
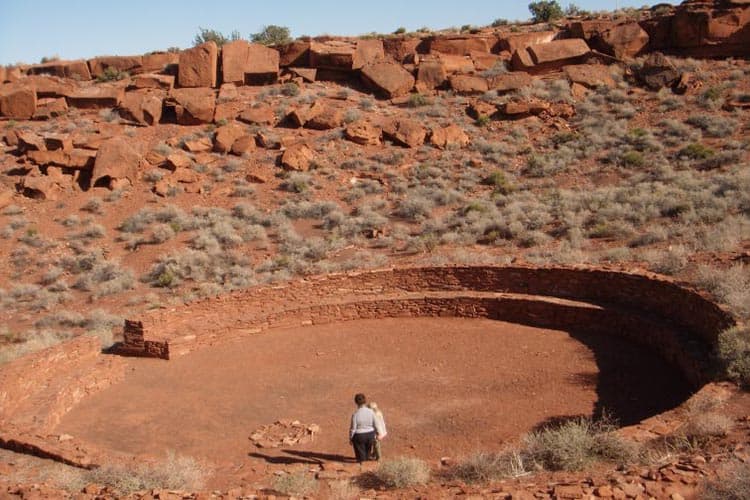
x=272, y=35
x=486, y=467
x=417, y=100
x=111, y=74
x=298, y=483
x=206, y=35
x=732, y=484
x=696, y=151
x=575, y=444
x=733, y=351
x=544, y=11
x=402, y=472
x=175, y=473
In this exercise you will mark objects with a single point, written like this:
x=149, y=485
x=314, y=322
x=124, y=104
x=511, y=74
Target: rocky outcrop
x=17, y=102
x=77, y=70
x=552, y=56
x=197, y=66
x=143, y=107
x=388, y=79
x=99, y=66
x=244, y=62
x=192, y=106
x=116, y=160
x=620, y=40
x=705, y=28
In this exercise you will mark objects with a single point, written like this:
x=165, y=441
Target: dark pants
x=362, y=444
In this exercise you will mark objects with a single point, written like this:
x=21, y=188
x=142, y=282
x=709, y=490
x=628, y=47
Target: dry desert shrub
x=176, y=472
x=298, y=483
x=733, y=351
x=486, y=467
x=402, y=472
x=343, y=490
x=575, y=444
x=733, y=483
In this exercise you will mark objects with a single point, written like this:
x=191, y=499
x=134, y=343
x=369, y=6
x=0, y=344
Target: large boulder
x=197, y=66
x=115, y=162
x=508, y=82
x=590, y=75
x=621, y=40
x=156, y=62
x=260, y=114
x=405, y=132
x=552, y=56
x=153, y=81
x=297, y=157
x=226, y=136
x=245, y=62
x=17, y=102
x=296, y=53
x=345, y=55
x=50, y=86
x=143, y=107
x=388, y=79
x=192, y=106
x=460, y=45
x=449, y=137
x=402, y=50
x=363, y=132
x=520, y=41
x=300, y=116
x=50, y=107
x=77, y=70
x=469, y=84
x=658, y=72
x=431, y=75
x=712, y=29
x=327, y=119
x=96, y=97
x=100, y=66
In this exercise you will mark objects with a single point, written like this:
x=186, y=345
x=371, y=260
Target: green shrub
x=733, y=350
x=500, y=22
x=272, y=35
x=696, y=151
x=417, y=100
x=399, y=31
x=499, y=182
x=112, y=74
x=545, y=11
x=633, y=159
x=206, y=35
x=402, y=472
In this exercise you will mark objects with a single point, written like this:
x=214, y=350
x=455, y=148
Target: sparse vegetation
x=402, y=472
x=272, y=35
x=208, y=35
x=297, y=483
x=545, y=11
x=175, y=472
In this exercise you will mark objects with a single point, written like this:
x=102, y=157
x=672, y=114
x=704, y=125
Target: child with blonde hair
x=380, y=430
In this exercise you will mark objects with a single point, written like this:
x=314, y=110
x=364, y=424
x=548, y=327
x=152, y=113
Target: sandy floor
x=447, y=386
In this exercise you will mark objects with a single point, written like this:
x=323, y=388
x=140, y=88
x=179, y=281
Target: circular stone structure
x=461, y=358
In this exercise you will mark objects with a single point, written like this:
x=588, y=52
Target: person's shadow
x=302, y=457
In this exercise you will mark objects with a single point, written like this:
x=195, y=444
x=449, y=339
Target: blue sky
x=32, y=29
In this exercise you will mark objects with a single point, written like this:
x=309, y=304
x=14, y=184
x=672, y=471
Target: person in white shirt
x=380, y=430
x=362, y=430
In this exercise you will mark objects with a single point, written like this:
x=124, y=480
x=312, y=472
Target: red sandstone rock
x=96, y=96
x=509, y=81
x=115, y=160
x=367, y=52
x=153, y=81
x=405, y=132
x=658, y=72
x=590, y=75
x=621, y=40
x=401, y=50
x=300, y=116
x=226, y=136
x=483, y=62
x=431, y=75
x=460, y=45
x=124, y=64
x=199, y=145
x=245, y=62
x=193, y=106
x=456, y=64
x=30, y=141
x=50, y=86
x=47, y=108
x=525, y=107
x=142, y=107
x=307, y=74
x=711, y=29
x=297, y=157
x=452, y=136
x=520, y=41
x=388, y=79
x=243, y=145
x=156, y=62
x=550, y=56
x=178, y=160
x=54, y=142
x=328, y=118
x=296, y=53
x=469, y=84
x=197, y=66
x=80, y=159
x=77, y=70
x=41, y=187
x=17, y=102
x=479, y=109
x=363, y=132
x=261, y=114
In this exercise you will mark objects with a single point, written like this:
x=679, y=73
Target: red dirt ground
x=447, y=386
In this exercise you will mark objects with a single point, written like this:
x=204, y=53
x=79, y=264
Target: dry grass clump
x=402, y=472
x=176, y=472
x=575, y=444
x=485, y=467
x=733, y=351
x=733, y=484
x=343, y=490
x=298, y=483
